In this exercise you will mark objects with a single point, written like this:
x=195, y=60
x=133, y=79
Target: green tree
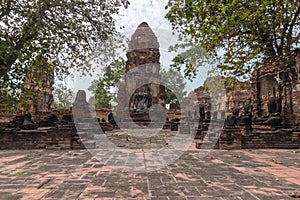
x=63, y=96
x=66, y=33
x=7, y=101
x=33, y=83
x=175, y=85
x=237, y=35
x=102, y=95
x=107, y=82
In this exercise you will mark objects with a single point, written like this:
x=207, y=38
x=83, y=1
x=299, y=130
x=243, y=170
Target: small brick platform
x=43, y=138
x=261, y=137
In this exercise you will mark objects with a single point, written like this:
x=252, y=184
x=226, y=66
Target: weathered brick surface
x=230, y=139
x=219, y=175
x=275, y=140
x=6, y=115
x=52, y=138
x=278, y=77
x=261, y=137
x=142, y=74
x=81, y=108
x=102, y=113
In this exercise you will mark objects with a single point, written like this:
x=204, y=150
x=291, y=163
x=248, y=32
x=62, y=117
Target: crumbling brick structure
x=136, y=94
x=278, y=78
x=41, y=99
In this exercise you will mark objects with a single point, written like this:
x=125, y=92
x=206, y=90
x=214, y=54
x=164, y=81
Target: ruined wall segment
x=296, y=90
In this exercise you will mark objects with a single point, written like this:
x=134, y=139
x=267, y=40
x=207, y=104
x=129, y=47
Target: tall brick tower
x=136, y=94
x=40, y=91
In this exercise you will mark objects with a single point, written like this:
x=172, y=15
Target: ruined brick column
x=142, y=63
x=42, y=97
x=255, y=97
x=81, y=109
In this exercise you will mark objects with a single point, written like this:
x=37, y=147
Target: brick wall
x=102, y=113
x=6, y=115
x=281, y=139
x=50, y=138
x=278, y=77
x=263, y=137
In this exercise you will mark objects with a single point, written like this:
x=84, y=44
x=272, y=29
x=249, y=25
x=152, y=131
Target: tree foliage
x=237, y=35
x=63, y=96
x=66, y=33
x=175, y=85
x=108, y=81
x=35, y=82
x=7, y=100
x=220, y=85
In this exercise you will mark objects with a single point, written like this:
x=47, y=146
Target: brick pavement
x=75, y=174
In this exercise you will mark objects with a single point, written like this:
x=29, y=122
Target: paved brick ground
x=75, y=174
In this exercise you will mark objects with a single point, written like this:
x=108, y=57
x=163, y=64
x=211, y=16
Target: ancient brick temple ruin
x=268, y=114
x=239, y=98
x=203, y=100
x=276, y=91
x=141, y=88
x=41, y=98
x=265, y=114
x=37, y=96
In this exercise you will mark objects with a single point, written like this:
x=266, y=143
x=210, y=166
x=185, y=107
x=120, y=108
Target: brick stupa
x=135, y=94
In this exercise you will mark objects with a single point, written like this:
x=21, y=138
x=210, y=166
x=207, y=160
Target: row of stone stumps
x=243, y=137
x=222, y=134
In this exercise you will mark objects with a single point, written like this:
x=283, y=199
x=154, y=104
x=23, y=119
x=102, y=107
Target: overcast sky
x=153, y=12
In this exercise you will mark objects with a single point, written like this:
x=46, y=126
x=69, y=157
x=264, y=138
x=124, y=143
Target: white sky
x=153, y=12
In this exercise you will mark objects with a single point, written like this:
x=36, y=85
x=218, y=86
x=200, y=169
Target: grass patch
x=18, y=174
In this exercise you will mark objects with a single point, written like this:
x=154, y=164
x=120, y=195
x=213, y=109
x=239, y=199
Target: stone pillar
x=81, y=109
x=255, y=97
